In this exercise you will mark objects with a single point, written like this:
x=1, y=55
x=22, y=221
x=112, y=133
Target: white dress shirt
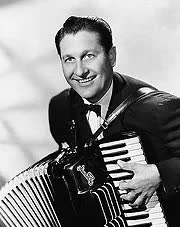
x=94, y=120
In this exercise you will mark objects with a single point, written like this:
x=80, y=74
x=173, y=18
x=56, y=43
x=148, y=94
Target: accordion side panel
x=92, y=192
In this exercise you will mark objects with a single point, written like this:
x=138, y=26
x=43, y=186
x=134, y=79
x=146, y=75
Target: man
x=88, y=56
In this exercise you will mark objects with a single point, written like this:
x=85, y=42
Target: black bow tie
x=91, y=107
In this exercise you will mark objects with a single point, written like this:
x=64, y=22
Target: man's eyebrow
x=84, y=52
x=66, y=56
x=90, y=50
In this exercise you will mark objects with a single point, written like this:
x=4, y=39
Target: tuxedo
x=156, y=119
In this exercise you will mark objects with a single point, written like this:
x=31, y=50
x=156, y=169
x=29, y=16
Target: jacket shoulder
x=132, y=83
x=59, y=116
x=61, y=97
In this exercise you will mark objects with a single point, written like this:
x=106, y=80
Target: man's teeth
x=85, y=80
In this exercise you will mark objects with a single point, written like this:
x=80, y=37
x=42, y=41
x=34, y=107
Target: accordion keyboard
x=130, y=150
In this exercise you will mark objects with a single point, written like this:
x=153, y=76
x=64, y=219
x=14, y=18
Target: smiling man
x=86, y=65
x=87, y=56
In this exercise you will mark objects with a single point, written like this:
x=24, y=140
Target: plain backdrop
x=146, y=34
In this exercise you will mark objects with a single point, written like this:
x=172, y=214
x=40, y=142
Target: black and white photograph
x=89, y=113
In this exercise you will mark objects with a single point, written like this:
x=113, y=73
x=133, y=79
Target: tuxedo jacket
x=156, y=119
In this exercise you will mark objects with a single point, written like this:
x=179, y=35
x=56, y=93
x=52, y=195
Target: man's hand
x=144, y=183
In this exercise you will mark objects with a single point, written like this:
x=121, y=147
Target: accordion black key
x=70, y=188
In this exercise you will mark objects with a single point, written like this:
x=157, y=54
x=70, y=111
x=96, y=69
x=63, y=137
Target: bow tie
x=91, y=107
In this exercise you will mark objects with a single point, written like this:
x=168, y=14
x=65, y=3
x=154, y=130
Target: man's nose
x=80, y=69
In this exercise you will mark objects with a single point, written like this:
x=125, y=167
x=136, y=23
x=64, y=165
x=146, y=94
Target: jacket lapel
x=117, y=97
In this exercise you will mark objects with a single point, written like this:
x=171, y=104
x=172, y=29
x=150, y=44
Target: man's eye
x=70, y=59
x=89, y=56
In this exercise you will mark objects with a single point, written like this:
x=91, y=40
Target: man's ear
x=112, y=56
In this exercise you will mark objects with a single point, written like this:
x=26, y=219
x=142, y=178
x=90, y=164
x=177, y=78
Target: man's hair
x=92, y=24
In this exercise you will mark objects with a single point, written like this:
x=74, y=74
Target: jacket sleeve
x=168, y=121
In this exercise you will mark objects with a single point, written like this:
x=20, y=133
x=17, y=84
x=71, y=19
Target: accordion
x=70, y=188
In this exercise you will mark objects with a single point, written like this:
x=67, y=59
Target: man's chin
x=87, y=97
x=91, y=99
x=90, y=96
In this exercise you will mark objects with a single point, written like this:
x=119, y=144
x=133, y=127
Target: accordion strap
x=132, y=98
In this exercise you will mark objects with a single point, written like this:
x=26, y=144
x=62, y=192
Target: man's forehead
x=83, y=40
x=83, y=35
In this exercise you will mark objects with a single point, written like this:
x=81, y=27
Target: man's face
x=86, y=66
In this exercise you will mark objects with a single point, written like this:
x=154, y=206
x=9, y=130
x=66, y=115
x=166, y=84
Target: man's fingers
x=124, y=165
x=134, y=199
x=140, y=200
x=123, y=185
x=131, y=196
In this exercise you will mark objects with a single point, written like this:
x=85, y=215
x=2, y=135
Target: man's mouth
x=86, y=80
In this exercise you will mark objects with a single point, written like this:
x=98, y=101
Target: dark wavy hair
x=92, y=24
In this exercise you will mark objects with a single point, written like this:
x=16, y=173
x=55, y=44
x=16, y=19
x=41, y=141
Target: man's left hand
x=140, y=188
